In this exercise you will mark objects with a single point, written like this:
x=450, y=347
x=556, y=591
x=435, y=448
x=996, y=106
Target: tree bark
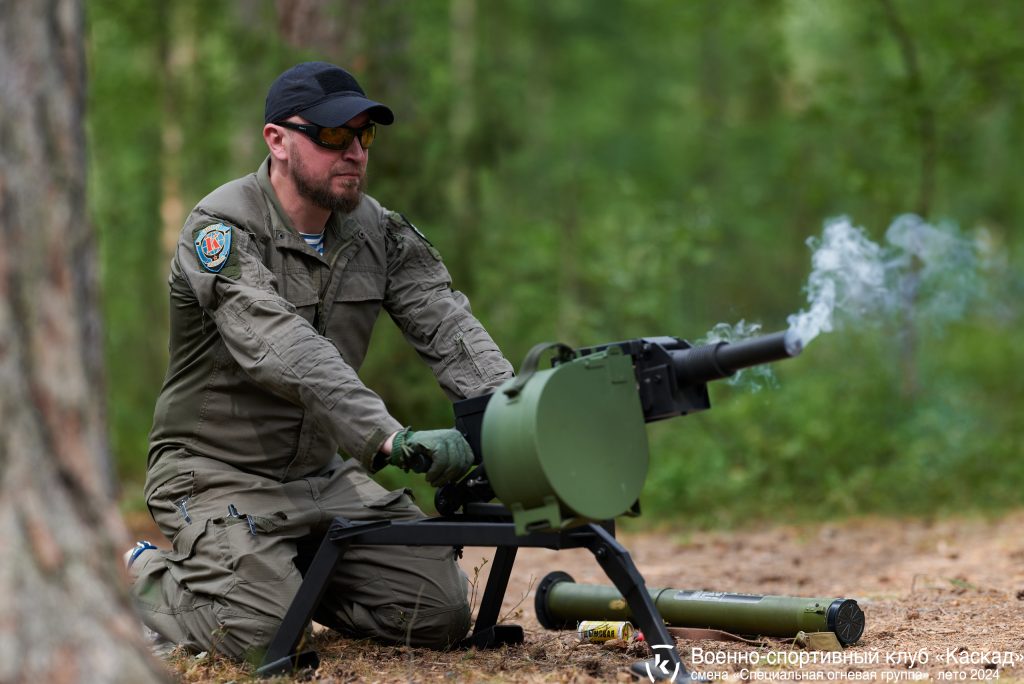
x=65, y=615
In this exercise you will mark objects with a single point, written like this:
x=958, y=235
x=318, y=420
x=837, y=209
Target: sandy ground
x=943, y=600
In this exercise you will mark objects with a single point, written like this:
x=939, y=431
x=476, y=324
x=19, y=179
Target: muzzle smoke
x=753, y=378
x=930, y=272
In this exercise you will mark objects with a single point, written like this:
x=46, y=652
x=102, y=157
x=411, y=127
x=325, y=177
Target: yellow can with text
x=600, y=631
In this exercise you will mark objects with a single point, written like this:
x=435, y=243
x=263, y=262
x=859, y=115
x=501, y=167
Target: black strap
x=530, y=363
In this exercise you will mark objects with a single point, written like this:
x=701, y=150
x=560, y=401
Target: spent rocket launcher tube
x=561, y=603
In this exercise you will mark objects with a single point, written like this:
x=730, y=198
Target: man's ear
x=274, y=137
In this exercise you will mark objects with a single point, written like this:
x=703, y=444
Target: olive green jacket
x=265, y=351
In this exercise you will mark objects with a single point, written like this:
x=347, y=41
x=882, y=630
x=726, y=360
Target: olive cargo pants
x=233, y=572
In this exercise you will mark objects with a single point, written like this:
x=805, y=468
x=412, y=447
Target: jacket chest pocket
x=296, y=286
x=357, y=303
x=360, y=286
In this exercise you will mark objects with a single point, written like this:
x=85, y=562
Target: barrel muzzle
x=722, y=359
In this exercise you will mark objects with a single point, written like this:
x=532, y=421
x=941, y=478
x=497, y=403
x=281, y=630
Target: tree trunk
x=461, y=122
x=177, y=55
x=323, y=27
x=924, y=114
x=65, y=615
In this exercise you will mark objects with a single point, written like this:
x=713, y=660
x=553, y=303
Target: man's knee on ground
x=440, y=628
x=241, y=635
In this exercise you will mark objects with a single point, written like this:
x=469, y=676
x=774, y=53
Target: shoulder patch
x=430, y=245
x=213, y=246
x=416, y=230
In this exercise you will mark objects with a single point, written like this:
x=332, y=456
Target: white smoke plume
x=932, y=270
x=847, y=272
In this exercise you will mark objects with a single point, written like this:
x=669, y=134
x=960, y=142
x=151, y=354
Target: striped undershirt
x=314, y=240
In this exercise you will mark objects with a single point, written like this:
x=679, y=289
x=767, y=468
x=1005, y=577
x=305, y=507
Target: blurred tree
x=462, y=204
x=125, y=98
x=66, y=614
x=177, y=54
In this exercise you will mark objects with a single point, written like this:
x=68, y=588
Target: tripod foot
x=494, y=636
x=290, y=664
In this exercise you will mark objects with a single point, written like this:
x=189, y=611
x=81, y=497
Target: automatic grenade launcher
x=567, y=445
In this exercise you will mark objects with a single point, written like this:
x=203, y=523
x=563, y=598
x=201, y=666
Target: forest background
x=595, y=171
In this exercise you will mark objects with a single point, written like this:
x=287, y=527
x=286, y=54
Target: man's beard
x=318, y=191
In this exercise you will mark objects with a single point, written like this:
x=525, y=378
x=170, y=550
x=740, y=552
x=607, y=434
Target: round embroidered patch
x=213, y=245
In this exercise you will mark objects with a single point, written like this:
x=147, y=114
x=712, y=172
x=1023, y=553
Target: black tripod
x=480, y=525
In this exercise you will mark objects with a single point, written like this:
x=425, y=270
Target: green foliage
x=124, y=199
x=595, y=171
x=837, y=438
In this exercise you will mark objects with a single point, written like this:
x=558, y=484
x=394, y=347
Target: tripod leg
x=487, y=632
x=618, y=565
x=281, y=656
x=497, y=583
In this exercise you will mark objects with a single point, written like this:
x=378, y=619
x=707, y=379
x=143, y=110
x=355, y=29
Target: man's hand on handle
x=444, y=455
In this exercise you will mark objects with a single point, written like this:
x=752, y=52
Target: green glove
x=444, y=455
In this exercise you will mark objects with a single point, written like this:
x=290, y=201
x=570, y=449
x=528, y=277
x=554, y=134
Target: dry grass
x=545, y=657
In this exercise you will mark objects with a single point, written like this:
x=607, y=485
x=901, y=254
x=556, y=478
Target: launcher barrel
x=721, y=359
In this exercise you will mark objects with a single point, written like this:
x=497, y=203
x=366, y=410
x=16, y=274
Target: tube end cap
x=540, y=601
x=846, y=619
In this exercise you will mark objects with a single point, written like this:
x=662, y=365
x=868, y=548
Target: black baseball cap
x=323, y=94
